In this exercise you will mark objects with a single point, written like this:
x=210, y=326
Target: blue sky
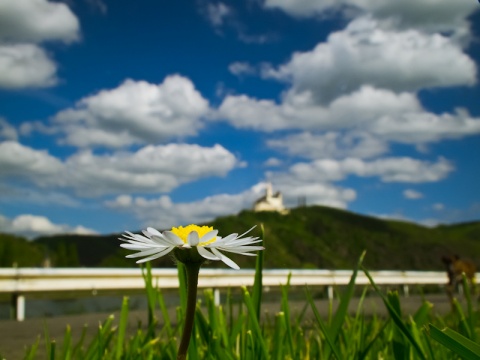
x=116, y=115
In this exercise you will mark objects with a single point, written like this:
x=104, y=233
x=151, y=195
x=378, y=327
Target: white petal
x=138, y=246
x=136, y=237
x=225, y=259
x=173, y=238
x=209, y=236
x=206, y=254
x=242, y=248
x=230, y=237
x=146, y=253
x=154, y=231
x=193, y=239
x=242, y=242
x=153, y=257
x=246, y=232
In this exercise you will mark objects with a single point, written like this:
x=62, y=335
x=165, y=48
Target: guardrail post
x=216, y=296
x=18, y=306
x=330, y=292
x=406, y=290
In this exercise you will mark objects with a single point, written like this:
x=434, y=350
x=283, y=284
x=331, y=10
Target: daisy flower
x=154, y=244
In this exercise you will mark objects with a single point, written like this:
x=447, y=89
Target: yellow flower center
x=182, y=233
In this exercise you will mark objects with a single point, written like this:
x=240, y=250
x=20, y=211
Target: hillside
x=308, y=237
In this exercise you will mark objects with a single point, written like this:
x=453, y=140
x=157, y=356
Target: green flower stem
x=192, y=269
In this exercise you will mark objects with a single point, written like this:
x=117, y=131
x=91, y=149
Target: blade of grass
x=471, y=315
x=258, y=281
x=259, y=339
x=167, y=324
x=278, y=335
x=52, y=349
x=366, y=350
x=79, y=344
x=67, y=344
x=151, y=293
x=324, y=329
x=395, y=317
x=456, y=342
x=122, y=329
x=31, y=351
x=422, y=314
x=462, y=322
x=342, y=309
x=286, y=310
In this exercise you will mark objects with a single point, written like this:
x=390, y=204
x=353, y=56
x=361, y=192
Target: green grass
x=239, y=330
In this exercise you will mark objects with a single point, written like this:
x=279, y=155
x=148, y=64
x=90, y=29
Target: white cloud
x=400, y=169
x=432, y=16
x=383, y=114
x=25, y=65
x=330, y=145
x=22, y=163
x=300, y=112
x=32, y=226
x=152, y=169
x=423, y=127
x=272, y=162
x=133, y=113
x=36, y=21
x=412, y=194
x=438, y=207
x=216, y=13
x=23, y=23
x=148, y=170
x=363, y=53
x=163, y=213
x=7, y=131
x=241, y=68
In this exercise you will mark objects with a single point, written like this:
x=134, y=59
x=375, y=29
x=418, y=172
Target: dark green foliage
x=308, y=237
x=16, y=251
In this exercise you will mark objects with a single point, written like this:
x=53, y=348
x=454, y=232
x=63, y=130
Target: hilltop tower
x=270, y=201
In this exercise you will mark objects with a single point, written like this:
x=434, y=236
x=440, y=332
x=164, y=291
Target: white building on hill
x=270, y=202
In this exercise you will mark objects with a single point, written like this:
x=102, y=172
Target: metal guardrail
x=21, y=282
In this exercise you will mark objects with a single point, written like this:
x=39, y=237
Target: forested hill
x=308, y=237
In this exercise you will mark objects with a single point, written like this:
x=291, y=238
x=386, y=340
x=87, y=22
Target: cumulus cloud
x=37, y=21
x=22, y=164
x=7, y=131
x=351, y=110
x=162, y=212
x=364, y=53
x=133, y=113
x=241, y=68
x=430, y=16
x=150, y=169
x=385, y=115
x=216, y=13
x=26, y=65
x=330, y=145
x=424, y=127
x=32, y=226
x=394, y=169
x=412, y=194
x=147, y=170
x=315, y=193
x=272, y=162
x=24, y=24
x=438, y=207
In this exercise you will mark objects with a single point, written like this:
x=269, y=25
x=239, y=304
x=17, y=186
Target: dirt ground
x=16, y=337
